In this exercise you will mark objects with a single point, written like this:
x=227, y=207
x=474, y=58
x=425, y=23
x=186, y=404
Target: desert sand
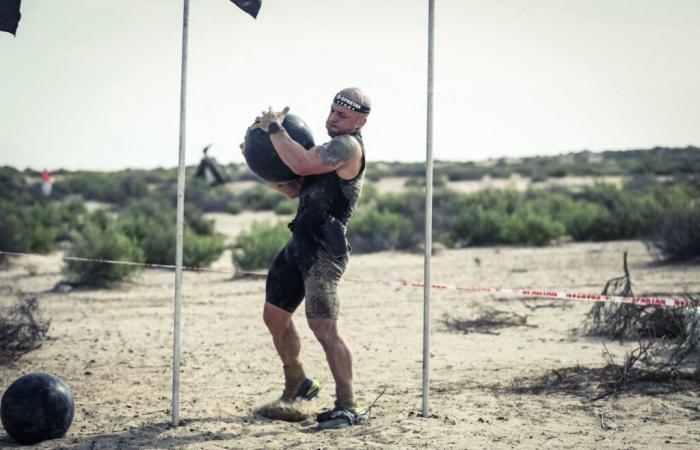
x=113, y=347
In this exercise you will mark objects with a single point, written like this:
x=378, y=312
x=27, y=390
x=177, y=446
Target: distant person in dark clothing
x=210, y=170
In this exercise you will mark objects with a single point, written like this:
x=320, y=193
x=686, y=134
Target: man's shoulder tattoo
x=340, y=149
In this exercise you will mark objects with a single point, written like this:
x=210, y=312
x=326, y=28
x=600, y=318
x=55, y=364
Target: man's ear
x=361, y=122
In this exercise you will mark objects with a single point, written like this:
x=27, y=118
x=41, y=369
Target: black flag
x=250, y=6
x=9, y=15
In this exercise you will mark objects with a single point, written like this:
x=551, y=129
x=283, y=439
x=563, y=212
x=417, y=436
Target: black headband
x=350, y=104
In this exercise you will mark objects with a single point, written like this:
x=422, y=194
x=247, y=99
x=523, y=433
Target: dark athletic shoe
x=308, y=391
x=340, y=417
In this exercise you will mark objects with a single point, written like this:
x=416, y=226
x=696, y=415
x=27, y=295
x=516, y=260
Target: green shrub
x=100, y=238
x=371, y=230
x=502, y=217
x=581, y=221
x=628, y=213
x=530, y=228
x=678, y=236
x=199, y=250
x=12, y=182
x=369, y=192
x=478, y=226
x=206, y=198
x=35, y=227
x=111, y=187
x=287, y=206
x=153, y=228
x=196, y=221
x=459, y=171
x=261, y=198
x=257, y=247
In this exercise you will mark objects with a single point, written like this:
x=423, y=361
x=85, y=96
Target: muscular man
x=314, y=259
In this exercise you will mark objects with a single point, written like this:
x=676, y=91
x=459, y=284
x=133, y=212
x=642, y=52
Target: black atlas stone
x=36, y=407
x=261, y=156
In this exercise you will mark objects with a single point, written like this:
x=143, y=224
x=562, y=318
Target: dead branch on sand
x=489, y=320
x=20, y=329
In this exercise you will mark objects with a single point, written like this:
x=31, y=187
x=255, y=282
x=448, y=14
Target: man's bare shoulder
x=341, y=149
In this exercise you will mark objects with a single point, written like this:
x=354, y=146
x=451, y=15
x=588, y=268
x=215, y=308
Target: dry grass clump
x=21, y=331
x=488, y=321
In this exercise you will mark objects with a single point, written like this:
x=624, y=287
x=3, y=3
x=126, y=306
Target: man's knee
x=325, y=330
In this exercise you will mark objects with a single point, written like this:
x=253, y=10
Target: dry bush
x=668, y=338
x=659, y=359
x=626, y=321
x=21, y=331
x=617, y=321
x=666, y=358
x=658, y=364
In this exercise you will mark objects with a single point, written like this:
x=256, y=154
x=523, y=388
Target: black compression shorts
x=303, y=268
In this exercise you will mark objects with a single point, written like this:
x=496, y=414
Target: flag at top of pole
x=9, y=16
x=250, y=6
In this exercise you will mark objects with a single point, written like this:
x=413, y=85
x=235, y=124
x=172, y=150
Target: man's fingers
x=285, y=111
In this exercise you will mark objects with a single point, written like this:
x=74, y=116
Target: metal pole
x=428, y=214
x=180, y=223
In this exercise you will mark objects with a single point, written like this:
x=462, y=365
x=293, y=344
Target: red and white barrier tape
x=526, y=293
x=123, y=263
x=533, y=293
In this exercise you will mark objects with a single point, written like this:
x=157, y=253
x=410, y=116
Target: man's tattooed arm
x=331, y=156
x=339, y=150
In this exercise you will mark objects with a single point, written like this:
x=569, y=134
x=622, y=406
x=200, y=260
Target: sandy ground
x=114, y=348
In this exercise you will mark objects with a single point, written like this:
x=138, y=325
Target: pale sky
x=95, y=84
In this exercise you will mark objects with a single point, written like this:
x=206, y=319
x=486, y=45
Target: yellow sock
x=294, y=376
x=346, y=400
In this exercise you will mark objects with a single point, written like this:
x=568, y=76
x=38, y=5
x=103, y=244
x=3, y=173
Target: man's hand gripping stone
x=263, y=122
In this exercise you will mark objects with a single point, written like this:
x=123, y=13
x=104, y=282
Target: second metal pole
x=428, y=214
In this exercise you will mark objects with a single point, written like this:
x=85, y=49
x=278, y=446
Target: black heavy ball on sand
x=262, y=157
x=36, y=407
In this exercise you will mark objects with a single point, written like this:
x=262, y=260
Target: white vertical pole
x=428, y=214
x=180, y=223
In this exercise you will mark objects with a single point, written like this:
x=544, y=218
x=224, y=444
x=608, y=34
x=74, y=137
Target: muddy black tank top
x=327, y=195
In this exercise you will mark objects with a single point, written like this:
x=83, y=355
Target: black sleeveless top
x=327, y=195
